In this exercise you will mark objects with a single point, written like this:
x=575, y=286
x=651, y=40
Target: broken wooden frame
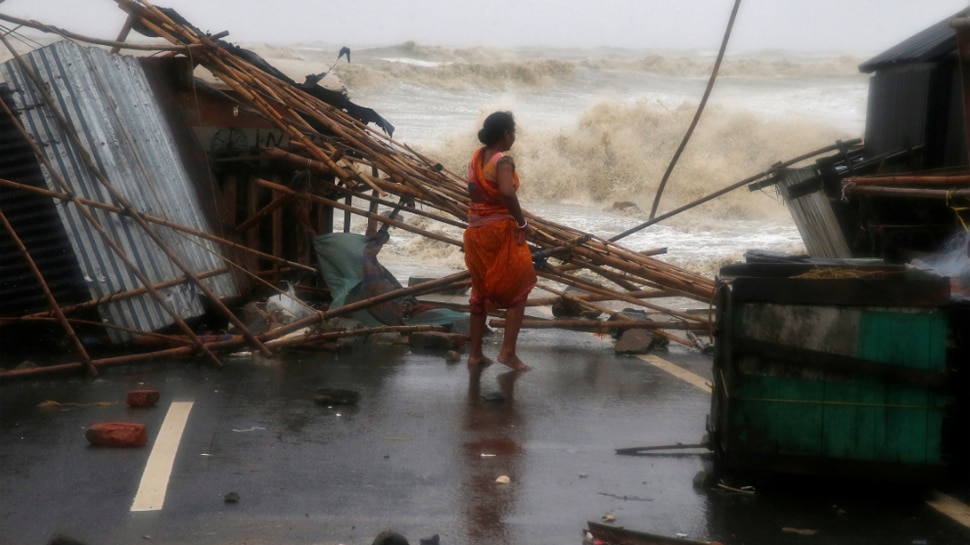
x=327, y=142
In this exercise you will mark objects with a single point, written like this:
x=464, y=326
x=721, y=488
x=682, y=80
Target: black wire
x=700, y=109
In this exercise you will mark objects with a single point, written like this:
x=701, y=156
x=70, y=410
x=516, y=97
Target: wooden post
x=348, y=200
x=271, y=208
x=253, y=238
x=123, y=35
x=277, y=225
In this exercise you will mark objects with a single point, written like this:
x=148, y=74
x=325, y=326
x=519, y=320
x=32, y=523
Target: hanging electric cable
x=697, y=116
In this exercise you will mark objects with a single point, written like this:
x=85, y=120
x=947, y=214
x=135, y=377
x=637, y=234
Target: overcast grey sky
x=855, y=26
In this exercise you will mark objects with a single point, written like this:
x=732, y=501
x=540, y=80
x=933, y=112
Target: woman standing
x=495, y=250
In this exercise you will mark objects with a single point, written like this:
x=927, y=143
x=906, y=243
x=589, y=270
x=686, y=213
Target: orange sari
x=501, y=270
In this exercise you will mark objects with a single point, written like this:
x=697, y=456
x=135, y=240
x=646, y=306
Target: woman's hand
x=522, y=233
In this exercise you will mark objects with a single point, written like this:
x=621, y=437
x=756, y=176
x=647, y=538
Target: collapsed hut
x=904, y=193
x=853, y=361
x=143, y=206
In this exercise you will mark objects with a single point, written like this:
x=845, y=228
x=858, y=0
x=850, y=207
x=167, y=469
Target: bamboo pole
x=390, y=161
x=408, y=174
x=123, y=34
x=736, y=185
x=569, y=267
x=87, y=39
x=130, y=211
x=299, y=160
x=643, y=294
x=904, y=192
x=265, y=211
x=215, y=345
x=601, y=326
x=364, y=213
x=113, y=245
x=674, y=279
x=173, y=339
x=128, y=294
x=320, y=317
x=424, y=181
x=157, y=221
x=246, y=84
x=911, y=179
x=136, y=214
x=620, y=316
x=334, y=335
x=51, y=300
x=594, y=288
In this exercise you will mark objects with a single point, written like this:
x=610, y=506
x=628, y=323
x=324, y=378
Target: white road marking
x=154, y=481
x=677, y=371
x=951, y=507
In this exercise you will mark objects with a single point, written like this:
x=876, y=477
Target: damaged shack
x=148, y=198
x=852, y=361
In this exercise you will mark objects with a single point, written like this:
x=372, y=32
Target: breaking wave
x=600, y=126
x=620, y=152
x=474, y=67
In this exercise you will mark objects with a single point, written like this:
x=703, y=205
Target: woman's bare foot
x=512, y=362
x=479, y=361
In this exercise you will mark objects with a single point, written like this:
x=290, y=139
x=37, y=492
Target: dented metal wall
x=114, y=113
x=915, y=98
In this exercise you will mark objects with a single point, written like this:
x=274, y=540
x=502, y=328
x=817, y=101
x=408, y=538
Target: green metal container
x=833, y=370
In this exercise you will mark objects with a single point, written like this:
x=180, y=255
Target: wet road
x=419, y=454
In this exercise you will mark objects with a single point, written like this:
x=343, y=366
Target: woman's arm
x=505, y=171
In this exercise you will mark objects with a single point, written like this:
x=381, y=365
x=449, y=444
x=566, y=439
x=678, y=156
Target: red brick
x=143, y=398
x=117, y=434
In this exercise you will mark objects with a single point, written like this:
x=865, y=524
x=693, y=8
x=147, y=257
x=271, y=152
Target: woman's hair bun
x=495, y=126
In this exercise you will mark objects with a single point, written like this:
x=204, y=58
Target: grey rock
x=388, y=537
x=60, y=539
x=634, y=341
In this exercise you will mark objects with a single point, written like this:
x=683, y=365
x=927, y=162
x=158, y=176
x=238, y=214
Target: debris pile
x=326, y=158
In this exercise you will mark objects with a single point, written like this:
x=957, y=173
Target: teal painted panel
x=853, y=420
x=913, y=417
x=916, y=340
x=779, y=415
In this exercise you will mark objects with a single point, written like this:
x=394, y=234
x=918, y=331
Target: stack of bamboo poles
x=351, y=151
x=325, y=139
x=944, y=186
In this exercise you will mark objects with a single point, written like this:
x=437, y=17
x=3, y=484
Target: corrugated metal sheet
x=813, y=216
x=108, y=100
x=37, y=225
x=926, y=46
x=898, y=114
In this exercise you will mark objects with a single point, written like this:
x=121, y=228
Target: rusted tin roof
x=926, y=46
x=108, y=101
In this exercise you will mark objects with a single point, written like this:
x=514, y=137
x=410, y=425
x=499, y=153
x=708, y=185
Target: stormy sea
x=600, y=126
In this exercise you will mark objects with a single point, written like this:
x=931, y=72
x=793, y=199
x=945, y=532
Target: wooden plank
x=893, y=292
x=780, y=359
x=618, y=535
x=853, y=417
x=914, y=414
x=778, y=415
